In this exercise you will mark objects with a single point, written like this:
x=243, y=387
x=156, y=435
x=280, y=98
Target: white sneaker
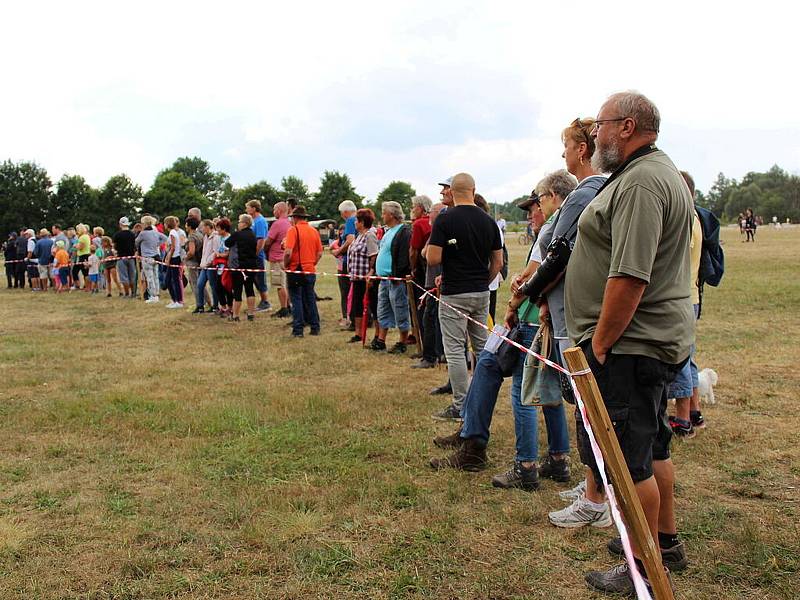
x=575, y=493
x=152, y=300
x=580, y=514
x=175, y=305
x=171, y=305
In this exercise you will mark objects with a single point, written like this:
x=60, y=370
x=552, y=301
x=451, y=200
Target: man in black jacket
x=393, y=261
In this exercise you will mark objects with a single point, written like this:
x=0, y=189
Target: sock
x=640, y=566
x=667, y=540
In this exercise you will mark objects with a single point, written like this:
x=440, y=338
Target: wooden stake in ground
x=412, y=306
x=620, y=476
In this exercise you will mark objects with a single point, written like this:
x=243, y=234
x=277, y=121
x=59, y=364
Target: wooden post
x=620, y=476
x=412, y=305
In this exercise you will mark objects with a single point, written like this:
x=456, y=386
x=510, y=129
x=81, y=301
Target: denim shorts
x=393, y=305
x=686, y=379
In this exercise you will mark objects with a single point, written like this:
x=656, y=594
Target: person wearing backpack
x=708, y=266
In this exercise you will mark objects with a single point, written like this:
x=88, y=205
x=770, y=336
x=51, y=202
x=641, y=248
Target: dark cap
x=529, y=201
x=299, y=211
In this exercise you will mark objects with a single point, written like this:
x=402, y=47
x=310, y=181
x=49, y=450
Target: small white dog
x=707, y=381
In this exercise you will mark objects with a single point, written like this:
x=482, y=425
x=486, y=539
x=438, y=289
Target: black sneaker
x=617, y=580
x=525, y=478
x=674, y=558
x=263, y=306
x=251, y=318
x=398, y=348
x=378, y=345
x=696, y=417
x=314, y=332
x=442, y=389
x=354, y=339
x=681, y=427
x=451, y=413
x=557, y=470
x=198, y=310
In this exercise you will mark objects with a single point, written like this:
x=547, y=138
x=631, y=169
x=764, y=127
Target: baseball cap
x=447, y=182
x=124, y=221
x=530, y=200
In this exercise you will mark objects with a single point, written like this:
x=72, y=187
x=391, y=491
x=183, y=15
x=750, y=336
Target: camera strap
x=643, y=151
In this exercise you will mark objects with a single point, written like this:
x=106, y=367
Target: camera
x=553, y=265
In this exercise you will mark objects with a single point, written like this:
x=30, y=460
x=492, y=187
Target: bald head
x=280, y=209
x=463, y=188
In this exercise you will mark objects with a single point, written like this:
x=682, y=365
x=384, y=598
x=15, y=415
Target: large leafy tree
x=334, y=188
x=396, y=191
x=294, y=187
x=24, y=195
x=199, y=171
x=173, y=194
x=262, y=191
x=119, y=197
x=73, y=202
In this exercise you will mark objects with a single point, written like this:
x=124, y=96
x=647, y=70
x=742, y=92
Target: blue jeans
x=304, y=302
x=687, y=378
x=260, y=277
x=206, y=276
x=482, y=396
x=393, y=305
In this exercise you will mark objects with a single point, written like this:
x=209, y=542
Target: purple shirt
x=277, y=232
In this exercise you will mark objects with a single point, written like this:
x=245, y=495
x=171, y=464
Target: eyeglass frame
x=599, y=122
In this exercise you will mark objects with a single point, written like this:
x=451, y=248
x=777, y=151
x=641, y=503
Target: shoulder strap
x=299, y=258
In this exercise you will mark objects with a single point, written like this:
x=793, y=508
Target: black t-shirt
x=245, y=242
x=467, y=236
x=125, y=242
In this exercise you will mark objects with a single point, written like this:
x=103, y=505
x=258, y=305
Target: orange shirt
x=310, y=245
x=62, y=258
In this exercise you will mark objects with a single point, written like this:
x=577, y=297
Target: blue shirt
x=383, y=265
x=349, y=229
x=43, y=251
x=260, y=228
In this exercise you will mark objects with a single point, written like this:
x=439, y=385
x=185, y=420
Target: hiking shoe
x=696, y=417
x=451, y=413
x=454, y=440
x=354, y=339
x=263, y=306
x=673, y=558
x=557, y=470
x=442, y=389
x=398, y=348
x=423, y=364
x=378, y=345
x=617, y=580
x=280, y=314
x=577, y=492
x=580, y=514
x=198, y=310
x=251, y=317
x=526, y=478
x=682, y=428
x=471, y=456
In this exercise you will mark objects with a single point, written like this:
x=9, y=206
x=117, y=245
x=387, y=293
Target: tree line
x=775, y=193
x=29, y=198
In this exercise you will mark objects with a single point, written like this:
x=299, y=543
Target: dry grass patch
x=152, y=454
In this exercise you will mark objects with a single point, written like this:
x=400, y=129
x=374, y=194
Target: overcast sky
x=412, y=91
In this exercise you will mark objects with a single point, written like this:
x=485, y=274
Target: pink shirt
x=277, y=232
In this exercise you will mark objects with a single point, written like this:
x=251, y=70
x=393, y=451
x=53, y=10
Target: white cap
x=124, y=221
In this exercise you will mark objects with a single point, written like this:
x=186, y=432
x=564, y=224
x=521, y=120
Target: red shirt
x=420, y=232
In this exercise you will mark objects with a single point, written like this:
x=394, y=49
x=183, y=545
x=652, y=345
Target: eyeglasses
x=599, y=122
x=543, y=194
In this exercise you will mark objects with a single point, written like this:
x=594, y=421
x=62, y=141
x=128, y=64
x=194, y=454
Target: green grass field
x=149, y=454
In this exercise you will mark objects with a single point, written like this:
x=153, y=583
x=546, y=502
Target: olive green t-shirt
x=639, y=226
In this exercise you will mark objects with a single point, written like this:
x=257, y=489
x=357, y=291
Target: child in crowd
x=62, y=267
x=110, y=265
x=94, y=270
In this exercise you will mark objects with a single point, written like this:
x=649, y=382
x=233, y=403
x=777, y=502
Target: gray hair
x=422, y=201
x=394, y=209
x=559, y=182
x=247, y=219
x=194, y=211
x=639, y=107
x=347, y=206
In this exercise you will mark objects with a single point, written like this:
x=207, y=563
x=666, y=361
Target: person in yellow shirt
x=685, y=387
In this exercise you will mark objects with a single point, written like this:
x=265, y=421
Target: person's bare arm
x=287, y=257
x=413, y=257
x=496, y=264
x=434, y=256
x=620, y=300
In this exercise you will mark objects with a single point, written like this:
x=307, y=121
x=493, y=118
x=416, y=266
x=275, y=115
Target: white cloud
x=410, y=91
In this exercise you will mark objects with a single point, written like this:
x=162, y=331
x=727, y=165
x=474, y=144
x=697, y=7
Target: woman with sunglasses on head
x=589, y=505
x=243, y=244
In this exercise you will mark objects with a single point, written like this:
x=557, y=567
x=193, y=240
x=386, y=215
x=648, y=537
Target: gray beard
x=609, y=158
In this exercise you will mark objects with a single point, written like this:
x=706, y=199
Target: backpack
x=712, y=258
